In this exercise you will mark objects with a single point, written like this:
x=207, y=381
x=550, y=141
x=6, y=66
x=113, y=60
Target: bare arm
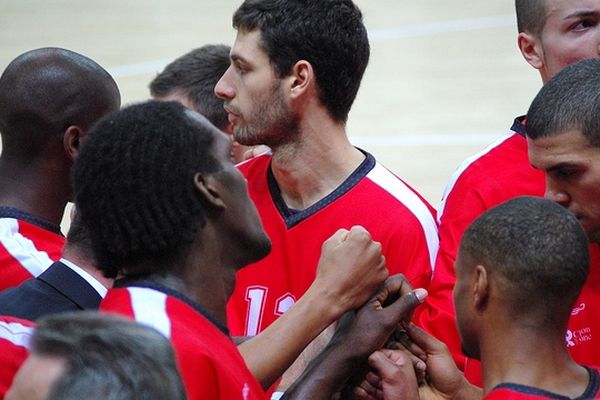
x=350, y=270
x=355, y=340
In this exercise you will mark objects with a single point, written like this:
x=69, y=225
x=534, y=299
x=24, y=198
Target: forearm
x=324, y=376
x=270, y=353
x=468, y=391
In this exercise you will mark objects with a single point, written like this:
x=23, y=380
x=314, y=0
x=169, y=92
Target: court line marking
x=425, y=139
x=375, y=35
x=434, y=28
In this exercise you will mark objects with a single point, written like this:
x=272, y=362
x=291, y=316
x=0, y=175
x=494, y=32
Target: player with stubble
x=296, y=68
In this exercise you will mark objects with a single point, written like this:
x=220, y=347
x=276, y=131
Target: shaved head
x=531, y=16
x=47, y=90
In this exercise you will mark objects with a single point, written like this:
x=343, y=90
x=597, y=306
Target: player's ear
x=72, y=140
x=481, y=287
x=209, y=189
x=300, y=79
x=531, y=49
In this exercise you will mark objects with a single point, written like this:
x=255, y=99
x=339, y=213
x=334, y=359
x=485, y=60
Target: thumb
x=404, y=305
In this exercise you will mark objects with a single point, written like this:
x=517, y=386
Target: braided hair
x=134, y=185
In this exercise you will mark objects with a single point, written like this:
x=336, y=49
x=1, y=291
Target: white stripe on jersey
x=464, y=165
x=16, y=333
x=389, y=182
x=150, y=308
x=21, y=248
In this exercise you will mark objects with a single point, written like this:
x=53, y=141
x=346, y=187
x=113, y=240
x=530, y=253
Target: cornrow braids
x=134, y=185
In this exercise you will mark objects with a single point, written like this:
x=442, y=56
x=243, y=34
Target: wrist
x=468, y=391
x=329, y=304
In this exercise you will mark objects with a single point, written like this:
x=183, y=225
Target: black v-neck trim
x=125, y=283
x=519, y=126
x=11, y=212
x=293, y=217
x=590, y=391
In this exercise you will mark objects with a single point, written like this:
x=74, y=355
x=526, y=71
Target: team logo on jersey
x=245, y=392
x=577, y=309
x=578, y=336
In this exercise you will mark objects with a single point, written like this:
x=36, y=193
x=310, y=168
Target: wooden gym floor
x=445, y=77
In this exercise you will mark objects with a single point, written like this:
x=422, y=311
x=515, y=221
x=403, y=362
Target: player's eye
x=584, y=24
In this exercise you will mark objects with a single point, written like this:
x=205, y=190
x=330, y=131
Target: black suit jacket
x=58, y=289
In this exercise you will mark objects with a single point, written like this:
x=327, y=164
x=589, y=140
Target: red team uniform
x=512, y=391
x=500, y=172
x=28, y=246
x=14, y=339
x=210, y=364
x=372, y=196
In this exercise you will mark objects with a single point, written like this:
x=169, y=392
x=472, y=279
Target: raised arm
x=350, y=270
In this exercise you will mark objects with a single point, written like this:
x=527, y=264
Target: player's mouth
x=232, y=116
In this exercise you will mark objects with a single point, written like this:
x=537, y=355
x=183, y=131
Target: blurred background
x=445, y=78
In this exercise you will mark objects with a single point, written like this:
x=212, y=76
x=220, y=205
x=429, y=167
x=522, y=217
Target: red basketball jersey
x=372, y=196
x=26, y=249
x=499, y=173
x=14, y=340
x=511, y=391
x=210, y=364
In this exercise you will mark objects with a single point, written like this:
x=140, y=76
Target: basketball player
x=552, y=35
x=296, y=68
x=49, y=98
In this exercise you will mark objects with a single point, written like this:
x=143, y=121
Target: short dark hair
x=79, y=237
x=329, y=34
x=108, y=357
x=134, y=185
x=538, y=252
x=531, y=16
x=195, y=75
x=44, y=91
x=569, y=101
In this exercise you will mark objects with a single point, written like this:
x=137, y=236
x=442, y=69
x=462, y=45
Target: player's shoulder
x=387, y=184
x=402, y=203
x=16, y=331
x=500, y=153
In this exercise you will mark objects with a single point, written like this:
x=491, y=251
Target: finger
x=369, y=388
x=401, y=337
x=362, y=394
x=393, y=287
x=248, y=154
x=360, y=230
x=373, y=379
x=339, y=236
x=361, y=239
x=383, y=364
x=398, y=373
x=424, y=340
x=403, y=307
x=402, y=356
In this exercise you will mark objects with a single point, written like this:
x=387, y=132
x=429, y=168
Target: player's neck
x=200, y=286
x=34, y=189
x=80, y=256
x=316, y=164
x=533, y=358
